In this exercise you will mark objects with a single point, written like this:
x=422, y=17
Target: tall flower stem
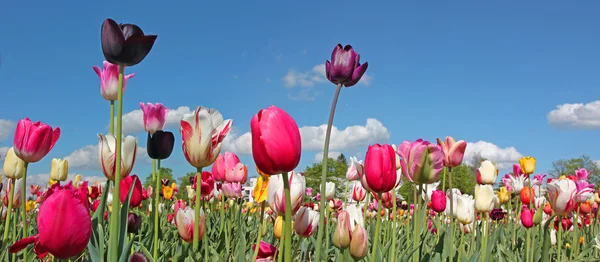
x=287, y=222
x=111, y=126
x=393, y=227
x=377, y=230
x=114, y=218
x=205, y=239
x=260, y=229
x=324, y=172
x=23, y=204
x=222, y=211
x=451, y=225
x=196, y=236
x=366, y=205
x=156, y=175
x=559, y=239
x=9, y=210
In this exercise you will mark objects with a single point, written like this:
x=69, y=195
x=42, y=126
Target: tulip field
x=520, y=216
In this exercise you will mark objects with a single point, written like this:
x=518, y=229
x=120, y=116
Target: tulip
x=527, y=165
x=517, y=171
x=160, y=144
x=29, y=205
x=136, y=196
x=487, y=173
x=190, y=192
x=527, y=217
x=421, y=161
x=63, y=223
x=585, y=207
x=561, y=195
x=107, y=150
x=17, y=197
x=278, y=227
x=228, y=166
x=485, y=199
x=341, y=235
x=380, y=168
x=154, y=116
x=184, y=220
x=138, y=257
x=33, y=141
x=345, y=68
x=355, y=171
x=503, y=195
x=276, y=198
x=358, y=192
x=276, y=142
x=33, y=189
x=232, y=190
x=167, y=192
x=497, y=214
x=134, y=223
x=14, y=167
x=548, y=208
x=202, y=134
x=582, y=174
x=329, y=190
x=109, y=80
x=453, y=150
x=308, y=191
x=465, y=213
x=125, y=44
x=527, y=194
x=261, y=189
x=438, y=201
x=584, y=191
x=513, y=183
x=266, y=252
x=306, y=222
x=59, y=169
x=359, y=243
x=538, y=180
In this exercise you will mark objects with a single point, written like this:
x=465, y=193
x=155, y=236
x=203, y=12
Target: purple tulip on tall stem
x=343, y=70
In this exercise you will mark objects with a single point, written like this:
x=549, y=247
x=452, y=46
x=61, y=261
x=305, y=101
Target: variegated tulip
x=421, y=161
x=358, y=192
x=202, y=133
x=561, y=194
x=306, y=222
x=59, y=169
x=14, y=167
x=276, y=197
x=184, y=220
x=107, y=151
x=355, y=170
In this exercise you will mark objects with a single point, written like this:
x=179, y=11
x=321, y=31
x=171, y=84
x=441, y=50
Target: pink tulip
x=227, y=167
x=453, y=151
x=34, y=189
x=33, y=141
x=517, y=170
x=527, y=217
x=309, y=191
x=355, y=170
x=276, y=142
x=207, y=183
x=438, y=201
x=184, y=219
x=421, y=161
x=276, y=197
x=63, y=223
x=380, y=168
x=582, y=174
x=358, y=192
x=155, y=116
x=318, y=197
x=137, y=195
x=306, y=222
x=232, y=190
x=109, y=80
x=266, y=252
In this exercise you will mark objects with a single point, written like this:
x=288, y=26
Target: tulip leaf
x=93, y=252
x=547, y=242
x=126, y=247
x=146, y=253
x=124, y=252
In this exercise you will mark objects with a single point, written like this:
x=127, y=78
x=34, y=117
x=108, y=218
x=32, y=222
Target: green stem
x=14, y=232
x=451, y=225
x=205, y=239
x=377, y=230
x=222, y=211
x=327, y=233
x=23, y=209
x=197, y=208
x=111, y=126
x=575, y=250
x=324, y=173
x=366, y=206
x=559, y=239
x=288, y=217
x=260, y=229
x=114, y=218
x=9, y=211
x=393, y=227
x=156, y=175
x=281, y=247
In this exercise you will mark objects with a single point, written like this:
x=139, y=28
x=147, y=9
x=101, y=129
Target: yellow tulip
x=262, y=188
x=527, y=165
x=563, y=177
x=14, y=167
x=167, y=192
x=278, y=227
x=503, y=195
x=30, y=205
x=52, y=182
x=59, y=169
x=248, y=205
x=76, y=180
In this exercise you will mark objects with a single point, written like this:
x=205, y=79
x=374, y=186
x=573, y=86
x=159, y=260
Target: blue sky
x=521, y=77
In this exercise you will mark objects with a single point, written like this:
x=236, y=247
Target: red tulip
x=380, y=168
x=207, y=183
x=276, y=142
x=438, y=201
x=64, y=223
x=266, y=251
x=137, y=195
x=33, y=141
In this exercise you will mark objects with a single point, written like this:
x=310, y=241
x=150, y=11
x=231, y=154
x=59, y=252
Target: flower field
x=518, y=216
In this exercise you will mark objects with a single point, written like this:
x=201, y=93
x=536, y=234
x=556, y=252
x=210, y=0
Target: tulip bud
x=160, y=144
x=527, y=165
x=329, y=190
x=341, y=235
x=134, y=223
x=14, y=167
x=527, y=217
x=278, y=227
x=359, y=245
x=537, y=217
x=138, y=257
x=59, y=169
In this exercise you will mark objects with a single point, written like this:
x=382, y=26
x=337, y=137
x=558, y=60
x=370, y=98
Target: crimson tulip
x=380, y=168
x=137, y=195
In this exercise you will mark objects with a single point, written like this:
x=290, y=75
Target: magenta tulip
x=109, y=80
x=155, y=116
x=137, y=195
x=527, y=217
x=380, y=168
x=64, y=223
x=345, y=67
x=34, y=140
x=276, y=143
x=438, y=201
x=453, y=150
x=421, y=161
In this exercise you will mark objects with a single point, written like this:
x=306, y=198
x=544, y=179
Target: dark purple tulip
x=345, y=67
x=138, y=257
x=497, y=214
x=134, y=222
x=165, y=182
x=160, y=144
x=125, y=44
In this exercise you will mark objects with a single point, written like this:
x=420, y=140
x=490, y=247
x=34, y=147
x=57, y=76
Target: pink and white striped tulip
x=184, y=219
x=358, y=192
x=306, y=222
x=107, y=146
x=202, y=133
x=355, y=170
x=109, y=80
x=232, y=190
x=155, y=116
x=561, y=195
x=276, y=197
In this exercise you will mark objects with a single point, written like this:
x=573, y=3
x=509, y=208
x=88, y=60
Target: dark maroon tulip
x=497, y=214
x=138, y=257
x=160, y=144
x=134, y=223
x=345, y=67
x=125, y=44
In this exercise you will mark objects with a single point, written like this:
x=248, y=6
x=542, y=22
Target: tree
x=184, y=181
x=336, y=173
x=463, y=178
x=565, y=167
x=165, y=172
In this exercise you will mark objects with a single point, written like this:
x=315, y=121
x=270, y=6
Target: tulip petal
x=112, y=40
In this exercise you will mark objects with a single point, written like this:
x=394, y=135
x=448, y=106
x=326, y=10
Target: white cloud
x=42, y=179
x=309, y=78
x=7, y=127
x=88, y=157
x=3, y=151
x=133, y=122
x=313, y=138
x=332, y=154
x=504, y=157
x=577, y=115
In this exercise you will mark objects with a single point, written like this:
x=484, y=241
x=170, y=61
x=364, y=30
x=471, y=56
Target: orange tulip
x=526, y=195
